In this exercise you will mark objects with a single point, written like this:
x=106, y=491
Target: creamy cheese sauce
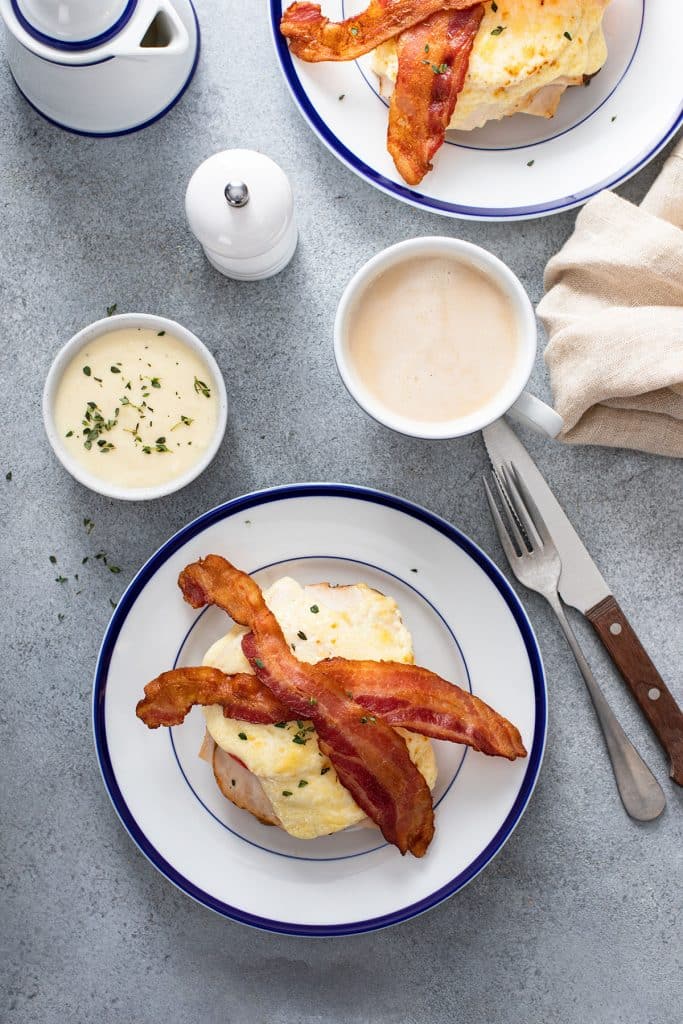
x=433, y=339
x=136, y=407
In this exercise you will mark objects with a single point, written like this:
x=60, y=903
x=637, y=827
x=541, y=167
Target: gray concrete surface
x=579, y=918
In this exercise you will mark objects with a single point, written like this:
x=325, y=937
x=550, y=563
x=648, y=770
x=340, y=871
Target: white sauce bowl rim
x=63, y=359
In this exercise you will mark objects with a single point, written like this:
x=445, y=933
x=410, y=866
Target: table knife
x=583, y=587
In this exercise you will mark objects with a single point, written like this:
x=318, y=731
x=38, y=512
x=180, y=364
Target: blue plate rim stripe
x=306, y=490
x=418, y=199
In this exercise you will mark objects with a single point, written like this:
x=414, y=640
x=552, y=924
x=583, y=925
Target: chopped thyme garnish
x=232, y=781
x=530, y=163
x=426, y=47
x=439, y=69
x=354, y=30
x=60, y=616
x=87, y=371
x=286, y=792
x=155, y=382
x=315, y=609
x=494, y=6
x=302, y=635
x=498, y=29
x=242, y=735
x=302, y=783
x=60, y=579
x=280, y=725
x=113, y=603
x=112, y=309
x=312, y=701
x=114, y=568
x=115, y=369
x=201, y=388
x=8, y=476
x=160, y=334
x=342, y=96
x=69, y=433
x=89, y=525
x=325, y=770
x=186, y=420
x=368, y=720
x=567, y=35
x=53, y=559
x=413, y=570
x=259, y=663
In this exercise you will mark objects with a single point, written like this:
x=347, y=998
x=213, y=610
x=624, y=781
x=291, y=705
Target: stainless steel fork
x=535, y=561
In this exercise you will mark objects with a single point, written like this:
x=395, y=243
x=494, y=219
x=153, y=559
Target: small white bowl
x=63, y=359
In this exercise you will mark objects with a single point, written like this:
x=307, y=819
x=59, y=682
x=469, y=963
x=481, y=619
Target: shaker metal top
x=237, y=193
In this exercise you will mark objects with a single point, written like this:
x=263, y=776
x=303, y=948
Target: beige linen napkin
x=613, y=311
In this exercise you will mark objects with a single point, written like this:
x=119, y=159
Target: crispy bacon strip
x=313, y=37
x=169, y=697
x=404, y=695
x=433, y=58
x=370, y=759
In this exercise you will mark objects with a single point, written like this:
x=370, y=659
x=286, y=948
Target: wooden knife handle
x=643, y=679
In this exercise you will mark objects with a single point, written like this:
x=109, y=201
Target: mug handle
x=127, y=44
x=532, y=412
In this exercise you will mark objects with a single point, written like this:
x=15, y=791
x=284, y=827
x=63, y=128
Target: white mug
x=512, y=398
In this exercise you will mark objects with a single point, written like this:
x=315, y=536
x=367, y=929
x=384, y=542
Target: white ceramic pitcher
x=102, y=68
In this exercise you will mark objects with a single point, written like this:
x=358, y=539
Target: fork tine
x=509, y=516
x=520, y=508
x=508, y=546
x=534, y=512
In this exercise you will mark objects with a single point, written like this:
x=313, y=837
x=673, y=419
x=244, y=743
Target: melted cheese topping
x=350, y=622
x=544, y=46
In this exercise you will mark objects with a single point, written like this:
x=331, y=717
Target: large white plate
x=600, y=136
x=467, y=624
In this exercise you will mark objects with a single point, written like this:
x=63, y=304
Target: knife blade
x=583, y=587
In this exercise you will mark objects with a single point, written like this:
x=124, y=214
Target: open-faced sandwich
x=316, y=717
x=457, y=64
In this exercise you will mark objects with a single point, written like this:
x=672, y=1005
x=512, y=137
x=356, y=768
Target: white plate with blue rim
x=523, y=166
x=467, y=624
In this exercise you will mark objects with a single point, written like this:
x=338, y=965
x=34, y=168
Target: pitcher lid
x=239, y=204
x=73, y=24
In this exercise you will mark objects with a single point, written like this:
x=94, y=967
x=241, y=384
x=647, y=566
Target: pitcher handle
x=127, y=44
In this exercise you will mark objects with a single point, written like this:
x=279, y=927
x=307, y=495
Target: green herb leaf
x=60, y=579
x=286, y=792
x=312, y=701
x=498, y=29
x=354, y=30
x=112, y=309
x=87, y=371
x=201, y=388
x=8, y=475
x=53, y=559
x=302, y=783
x=325, y=770
x=114, y=369
x=280, y=725
x=259, y=663
x=302, y=635
x=494, y=6
x=89, y=525
x=530, y=163
x=315, y=609
x=114, y=568
x=567, y=35
x=242, y=735
x=160, y=334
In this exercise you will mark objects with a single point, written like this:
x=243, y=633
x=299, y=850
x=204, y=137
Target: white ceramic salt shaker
x=239, y=206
